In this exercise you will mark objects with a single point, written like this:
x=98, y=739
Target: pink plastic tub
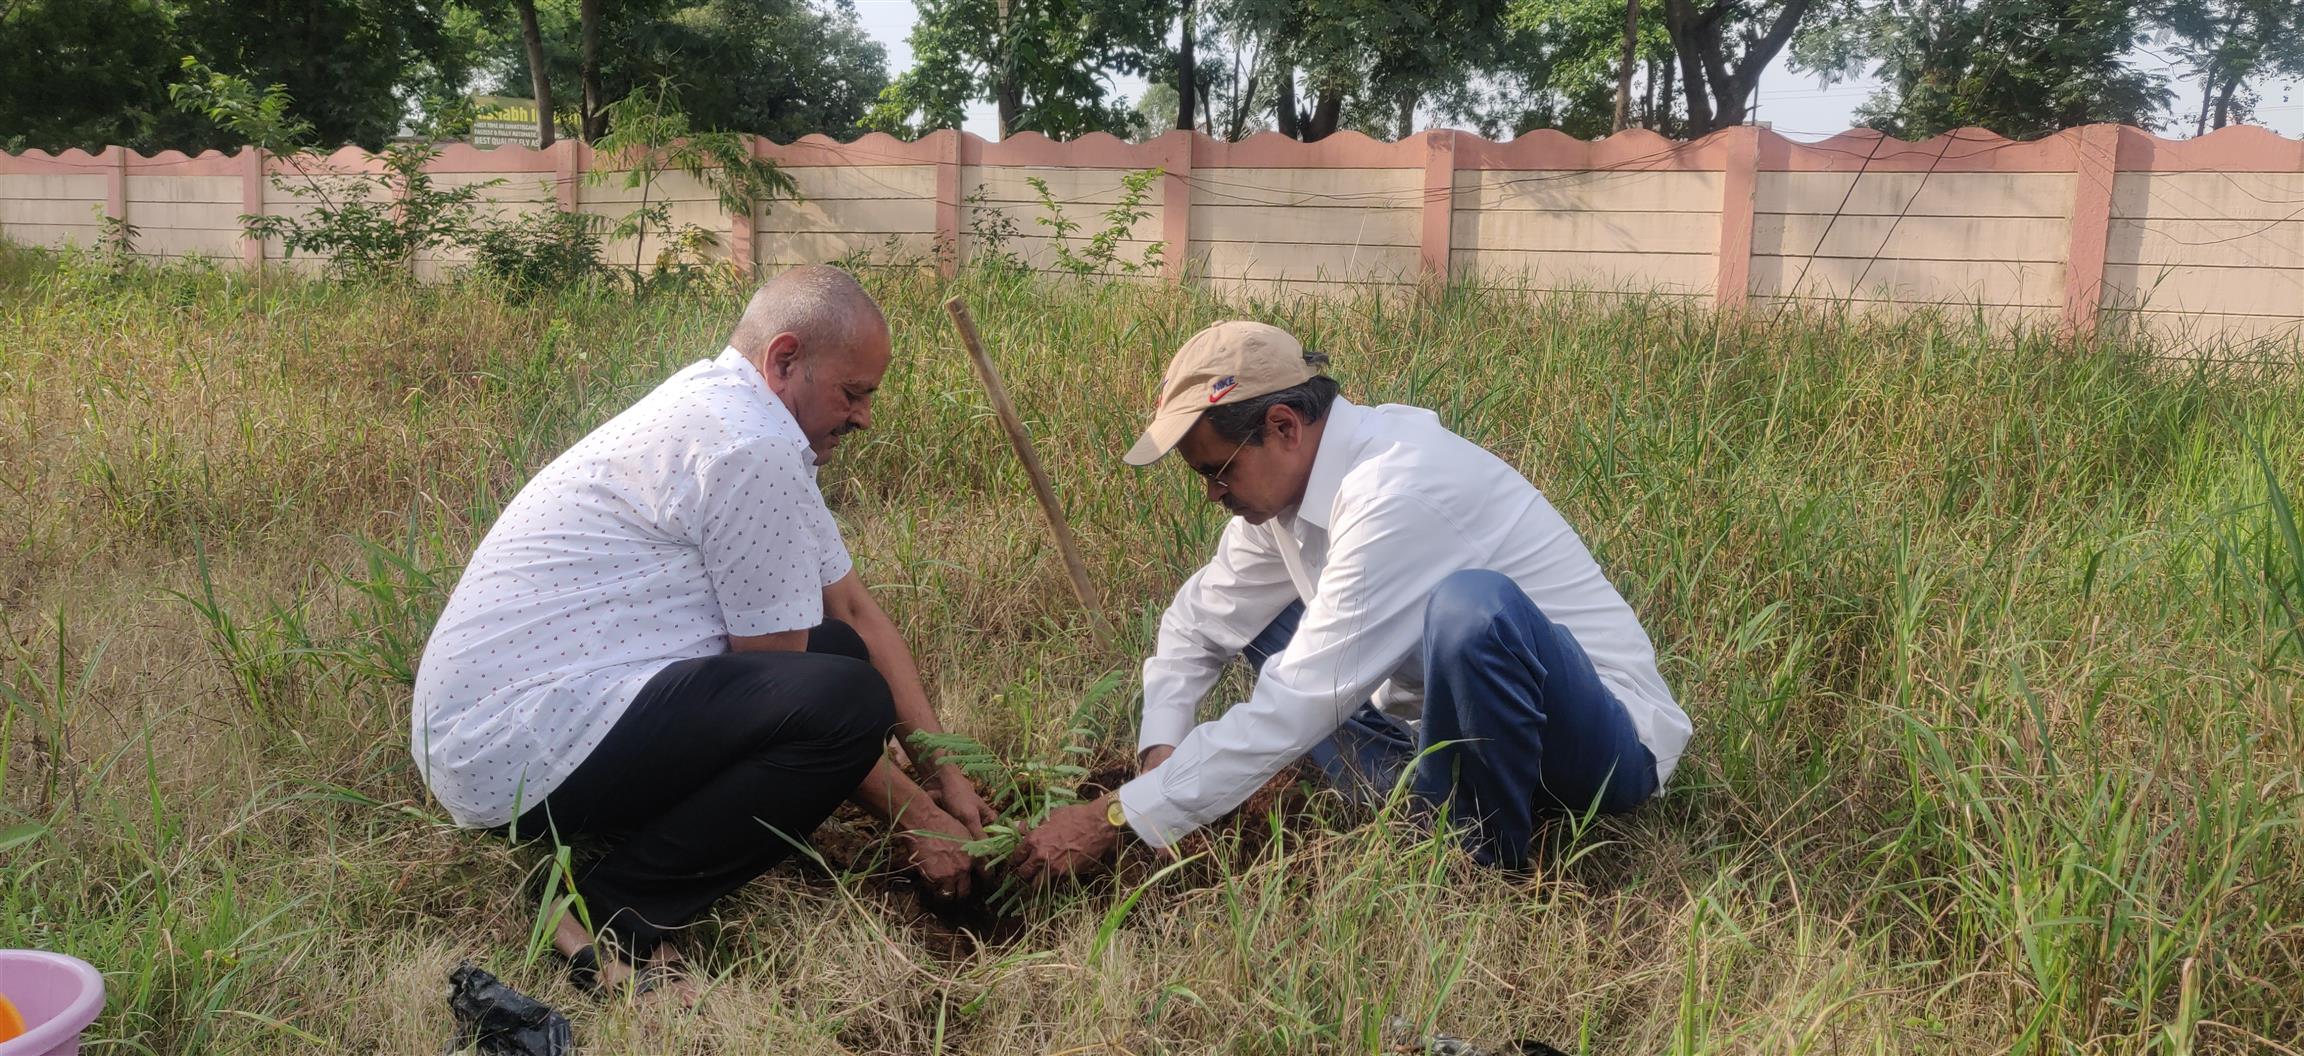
x=58, y=997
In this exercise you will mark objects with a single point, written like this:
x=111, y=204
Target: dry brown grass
x=1999, y=734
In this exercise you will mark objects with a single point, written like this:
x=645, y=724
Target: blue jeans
x=1515, y=722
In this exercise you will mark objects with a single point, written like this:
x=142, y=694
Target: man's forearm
x=888, y=794
x=894, y=661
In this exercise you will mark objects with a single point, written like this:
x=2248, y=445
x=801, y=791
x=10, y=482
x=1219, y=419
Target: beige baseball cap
x=1226, y=363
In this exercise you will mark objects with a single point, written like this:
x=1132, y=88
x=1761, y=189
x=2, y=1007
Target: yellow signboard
x=504, y=121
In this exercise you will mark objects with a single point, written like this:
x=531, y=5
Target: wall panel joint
x=948, y=204
x=116, y=182
x=2095, y=164
x=1739, y=182
x=1176, y=202
x=251, y=203
x=1439, y=202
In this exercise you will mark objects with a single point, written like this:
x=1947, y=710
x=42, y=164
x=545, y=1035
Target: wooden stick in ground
x=1022, y=442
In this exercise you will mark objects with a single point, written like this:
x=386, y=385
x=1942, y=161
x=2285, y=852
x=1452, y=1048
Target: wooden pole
x=1022, y=442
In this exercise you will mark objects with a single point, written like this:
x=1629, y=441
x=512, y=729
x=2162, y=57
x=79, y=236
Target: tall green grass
x=1992, y=642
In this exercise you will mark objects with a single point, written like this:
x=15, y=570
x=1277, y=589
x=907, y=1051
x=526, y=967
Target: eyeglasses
x=1217, y=478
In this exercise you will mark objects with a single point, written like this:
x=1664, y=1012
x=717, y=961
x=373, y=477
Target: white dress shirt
x=1395, y=504
x=691, y=516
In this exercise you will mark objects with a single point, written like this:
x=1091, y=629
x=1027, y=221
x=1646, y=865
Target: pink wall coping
x=2240, y=148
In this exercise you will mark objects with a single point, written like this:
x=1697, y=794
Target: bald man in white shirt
x=1410, y=603
x=663, y=645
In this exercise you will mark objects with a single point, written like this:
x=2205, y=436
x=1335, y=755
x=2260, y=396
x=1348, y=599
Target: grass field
x=1994, y=649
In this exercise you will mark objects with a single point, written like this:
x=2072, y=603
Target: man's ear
x=1281, y=423
x=783, y=354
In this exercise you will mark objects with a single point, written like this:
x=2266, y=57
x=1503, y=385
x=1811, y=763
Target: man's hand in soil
x=1073, y=839
x=932, y=847
x=928, y=836
x=958, y=796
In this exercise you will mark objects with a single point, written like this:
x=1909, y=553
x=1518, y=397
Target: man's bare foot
x=664, y=972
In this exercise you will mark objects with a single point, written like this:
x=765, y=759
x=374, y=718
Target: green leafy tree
x=1046, y=65
x=2231, y=43
x=87, y=73
x=1155, y=111
x=261, y=119
x=353, y=65
x=1722, y=47
x=539, y=70
x=779, y=68
x=1365, y=64
x=1236, y=73
x=2021, y=68
x=1566, y=58
x=1410, y=50
x=776, y=67
x=90, y=72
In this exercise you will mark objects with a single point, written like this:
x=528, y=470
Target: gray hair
x=822, y=304
x=1243, y=422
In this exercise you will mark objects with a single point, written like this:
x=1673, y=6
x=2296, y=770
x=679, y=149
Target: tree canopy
x=1046, y=65
x=2022, y=68
x=89, y=73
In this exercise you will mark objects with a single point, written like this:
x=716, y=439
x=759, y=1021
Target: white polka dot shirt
x=691, y=516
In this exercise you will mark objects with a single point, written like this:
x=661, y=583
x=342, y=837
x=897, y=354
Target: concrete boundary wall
x=2190, y=240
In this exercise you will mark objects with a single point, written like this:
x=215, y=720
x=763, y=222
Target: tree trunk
x=1679, y=23
x=1648, y=98
x=1006, y=95
x=1327, y=112
x=1187, y=69
x=1718, y=94
x=1624, y=65
x=2224, y=101
x=539, y=79
x=1284, y=108
x=1243, y=98
x=1407, y=115
x=1663, y=114
x=1011, y=104
x=2207, y=93
x=595, y=116
x=1730, y=108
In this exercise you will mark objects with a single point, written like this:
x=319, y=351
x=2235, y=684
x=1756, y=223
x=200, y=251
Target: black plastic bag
x=502, y=1021
x=1404, y=1038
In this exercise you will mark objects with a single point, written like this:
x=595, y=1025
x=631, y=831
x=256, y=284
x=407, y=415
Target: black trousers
x=705, y=782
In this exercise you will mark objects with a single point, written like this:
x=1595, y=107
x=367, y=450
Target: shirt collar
x=730, y=359
x=1339, y=444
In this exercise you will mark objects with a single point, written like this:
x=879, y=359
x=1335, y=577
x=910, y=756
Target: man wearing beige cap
x=1411, y=604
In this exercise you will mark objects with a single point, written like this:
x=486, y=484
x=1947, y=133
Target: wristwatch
x=1113, y=814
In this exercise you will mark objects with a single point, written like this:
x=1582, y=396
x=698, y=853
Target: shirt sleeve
x=834, y=564
x=1367, y=617
x=768, y=543
x=1217, y=612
